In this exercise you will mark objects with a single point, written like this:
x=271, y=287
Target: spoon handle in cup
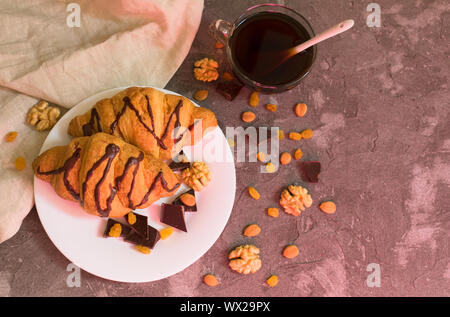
x=335, y=30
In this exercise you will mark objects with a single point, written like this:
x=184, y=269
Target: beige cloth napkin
x=118, y=43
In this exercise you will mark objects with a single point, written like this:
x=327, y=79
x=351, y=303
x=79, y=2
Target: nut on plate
x=245, y=259
x=197, y=176
x=42, y=116
x=206, y=70
x=188, y=199
x=295, y=199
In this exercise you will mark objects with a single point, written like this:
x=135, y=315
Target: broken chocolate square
x=310, y=171
x=111, y=222
x=173, y=215
x=178, y=201
x=150, y=242
x=140, y=226
x=229, y=89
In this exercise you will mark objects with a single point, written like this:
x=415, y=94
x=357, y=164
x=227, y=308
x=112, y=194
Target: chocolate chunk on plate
x=150, y=242
x=178, y=201
x=140, y=226
x=179, y=166
x=173, y=215
x=111, y=222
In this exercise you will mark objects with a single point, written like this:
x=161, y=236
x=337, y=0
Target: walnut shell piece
x=295, y=199
x=245, y=259
x=206, y=70
x=197, y=176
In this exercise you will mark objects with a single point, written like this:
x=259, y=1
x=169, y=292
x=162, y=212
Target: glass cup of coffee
x=251, y=40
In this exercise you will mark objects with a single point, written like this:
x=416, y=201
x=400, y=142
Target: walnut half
x=245, y=259
x=295, y=199
x=42, y=117
x=206, y=70
x=197, y=176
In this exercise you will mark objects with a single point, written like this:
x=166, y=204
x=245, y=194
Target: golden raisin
x=307, y=133
x=11, y=136
x=328, y=207
x=166, y=232
x=131, y=218
x=273, y=212
x=210, y=280
x=254, y=99
x=271, y=107
x=285, y=158
x=261, y=156
x=143, y=249
x=272, y=281
x=115, y=230
x=20, y=163
x=270, y=168
x=201, y=94
x=295, y=136
x=290, y=251
x=300, y=109
x=219, y=45
x=280, y=134
x=298, y=154
x=227, y=76
x=253, y=193
x=252, y=230
x=248, y=116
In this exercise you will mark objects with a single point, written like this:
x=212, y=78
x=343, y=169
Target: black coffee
x=268, y=32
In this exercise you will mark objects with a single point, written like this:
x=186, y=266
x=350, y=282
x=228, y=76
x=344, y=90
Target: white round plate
x=79, y=236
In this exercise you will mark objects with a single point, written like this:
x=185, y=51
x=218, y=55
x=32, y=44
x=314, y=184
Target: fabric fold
x=119, y=43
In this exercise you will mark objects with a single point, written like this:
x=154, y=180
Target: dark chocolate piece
x=140, y=226
x=150, y=242
x=310, y=171
x=111, y=222
x=173, y=215
x=179, y=166
x=229, y=89
x=178, y=201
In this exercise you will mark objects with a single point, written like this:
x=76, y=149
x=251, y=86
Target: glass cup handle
x=220, y=30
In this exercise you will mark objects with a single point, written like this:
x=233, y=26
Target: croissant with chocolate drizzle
x=106, y=175
x=155, y=122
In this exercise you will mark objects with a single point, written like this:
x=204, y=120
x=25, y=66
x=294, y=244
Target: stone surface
x=378, y=101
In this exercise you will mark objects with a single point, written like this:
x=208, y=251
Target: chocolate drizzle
x=152, y=186
x=110, y=153
x=66, y=168
x=128, y=104
x=88, y=128
x=131, y=161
